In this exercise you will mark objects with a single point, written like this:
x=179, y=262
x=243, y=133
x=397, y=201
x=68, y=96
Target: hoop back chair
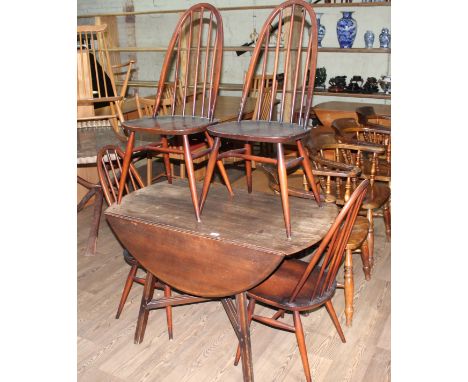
x=195, y=52
x=336, y=182
x=109, y=164
x=298, y=286
x=297, y=58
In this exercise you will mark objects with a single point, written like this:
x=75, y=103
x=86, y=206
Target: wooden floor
x=204, y=343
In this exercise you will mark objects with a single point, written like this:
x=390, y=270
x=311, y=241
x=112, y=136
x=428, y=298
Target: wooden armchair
x=347, y=130
x=109, y=162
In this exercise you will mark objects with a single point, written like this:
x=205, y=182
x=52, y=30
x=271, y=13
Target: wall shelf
x=244, y=8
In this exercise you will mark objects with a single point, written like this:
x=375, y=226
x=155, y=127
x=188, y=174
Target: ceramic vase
x=369, y=39
x=320, y=29
x=384, y=38
x=346, y=29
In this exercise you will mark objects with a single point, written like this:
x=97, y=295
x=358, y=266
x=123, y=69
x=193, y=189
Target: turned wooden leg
x=167, y=163
x=250, y=310
x=248, y=167
x=332, y=313
x=308, y=171
x=167, y=293
x=94, y=230
x=127, y=287
x=209, y=171
x=370, y=237
x=147, y=296
x=283, y=183
x=301, y=343
x=220, y=165
x=387, y=220
x=366, y=267
x=126, y=165
x=246, y=349
x=348, y=287
x=191, y=176
x=149, y=170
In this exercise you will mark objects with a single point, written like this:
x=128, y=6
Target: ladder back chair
x=297, y=286
x=296, y=58
x=109, y=162
x=195, y=53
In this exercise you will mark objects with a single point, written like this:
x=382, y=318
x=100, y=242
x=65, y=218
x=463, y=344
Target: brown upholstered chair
x=109, y=164
x=297, y=286
x=195, y=53
x=295, y=59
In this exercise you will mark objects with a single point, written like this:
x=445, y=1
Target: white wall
x=156, y=30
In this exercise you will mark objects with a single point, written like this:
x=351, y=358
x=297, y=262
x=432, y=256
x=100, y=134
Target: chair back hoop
x=109, y=166
x=332, y=247
x=299, y=71
x=196, y=50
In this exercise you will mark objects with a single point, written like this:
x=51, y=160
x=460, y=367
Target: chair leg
x=336, y=322
x=167, y=163
x=365, y=260
x=126, y=165
x=370, y=237
x=191, y=176
x=301, y=343
x=250, y=310
x=387, y=220
x=127, y=287
x=149, y=169
x=167, y=293
x=94, y=230
x=348, y=286
x=147, y=296
x=209, y=171
x=248, y=167
x=308, y=171
x=220, y=165
x=283, y=182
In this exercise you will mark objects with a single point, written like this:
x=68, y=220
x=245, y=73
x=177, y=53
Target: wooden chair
x=195, y=49
x=109, y=161
x=297, y=286
x=349, y=131
x=336, y=182
x=299, y=56
x=95, y=87
x=323, y=143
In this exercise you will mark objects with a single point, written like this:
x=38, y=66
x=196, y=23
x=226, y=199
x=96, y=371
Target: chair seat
x=277, y=289
x=358, y=234
x=260, y=131
x=169, y=125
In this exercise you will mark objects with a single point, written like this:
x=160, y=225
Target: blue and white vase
x=369, y=39
x=346, y=29
x=320, y=29
x=384, y=38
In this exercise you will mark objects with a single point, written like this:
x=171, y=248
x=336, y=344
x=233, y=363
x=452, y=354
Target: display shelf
x=250, y=49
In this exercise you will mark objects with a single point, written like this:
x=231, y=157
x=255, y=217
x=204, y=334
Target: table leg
x=246, y=349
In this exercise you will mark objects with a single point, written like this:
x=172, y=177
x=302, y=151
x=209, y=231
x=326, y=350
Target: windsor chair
x=109, y=164
x=195, y=49
x=298, y=56
x=298, y=286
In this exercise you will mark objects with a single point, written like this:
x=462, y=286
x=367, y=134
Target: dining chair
x=324, y=143
x=297, y=57
x=109, y=164
x=350, y=130
x=297, y=286
x=193, y=59
x=96, y=88
x=336, y=182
